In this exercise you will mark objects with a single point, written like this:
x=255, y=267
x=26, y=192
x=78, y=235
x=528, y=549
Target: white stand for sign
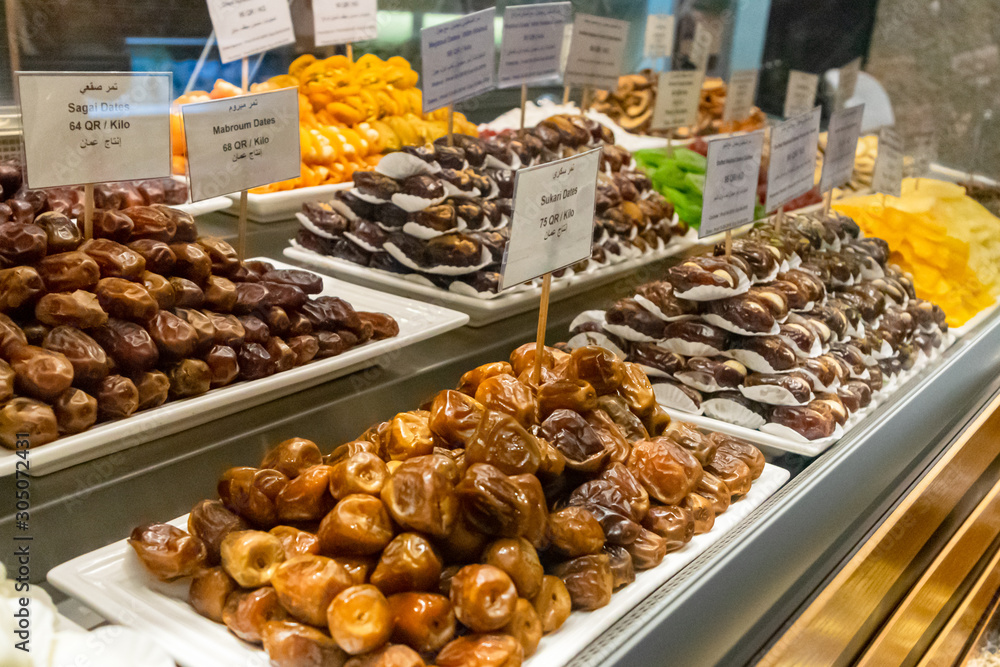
x=827, y=202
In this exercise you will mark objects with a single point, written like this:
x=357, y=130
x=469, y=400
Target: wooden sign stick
x=779, y=219
x=729, y=243
x=565, y=95
x=451, y=124
x=350, y=52
x=88, y=211
x=543, y=319
x=524, y=102
x=827, y=202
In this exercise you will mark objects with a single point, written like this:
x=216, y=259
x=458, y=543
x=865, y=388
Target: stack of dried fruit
x=461, y=533
x=350, y=114
x=792, y=335
x=22, y=202
x=146, y=311
x=947, y=241
x=441, y=213
x=631, y=106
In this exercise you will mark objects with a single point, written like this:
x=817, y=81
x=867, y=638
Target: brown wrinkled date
x=459, y=533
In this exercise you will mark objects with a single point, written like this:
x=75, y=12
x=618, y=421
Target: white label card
x=800, y=95
x=677, y=96
x=923, y=149
x=242, y=142
x=731, y=182
x=597, y=52
x=791, y=171
x=740, y=95
x=841, y=147
x=457, y=59
x=846, y=83
x=94, y=127
x=701, y=46
x=344, y=21
x=659, y=36
x=245, y=27
x=553, y=221
x=888, y=175
x=532, y=43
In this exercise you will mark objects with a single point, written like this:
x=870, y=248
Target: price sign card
x=846, y=83
x=659, y=36
x=553, y=221
x=888, y=175
x=677, y=97
x=923, y=149
x=731, y=182
x=740, y=95
x=841, y=146
x=242, y=142
x=245, y=27
x=344, y=21
x=791, y=171
x=597, y=52
x=94, y=127
x=457, y=59
x=800, y=95
x=532, y=43
x=701, y=46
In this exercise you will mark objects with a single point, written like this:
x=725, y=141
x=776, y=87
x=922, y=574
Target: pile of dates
x=145, y=312
x=24, y=203
x=461, y=533
x=793, y=334
x=440, y=213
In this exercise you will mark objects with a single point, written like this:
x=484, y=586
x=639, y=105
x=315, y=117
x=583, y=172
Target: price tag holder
x=597, y=52
x=659, y=36
x=740, y=95
x=457, y=59
x=553, y=221
x=532, y=43
x=846, y=83
x=888, y=175
x=94, y=127
x=731, y=182
x=701, y=46
x=242, y=142
x=800, y=95
x=677, y=96
x=245, y=27
x=791, y=171
x=344, y=21
x=841, y=147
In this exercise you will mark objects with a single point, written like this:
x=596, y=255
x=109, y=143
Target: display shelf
x=722, y=608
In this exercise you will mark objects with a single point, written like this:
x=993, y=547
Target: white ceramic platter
x=278, y=206
x=483, y=311
x=113, y=582
x=204, y=206
x=417, y=321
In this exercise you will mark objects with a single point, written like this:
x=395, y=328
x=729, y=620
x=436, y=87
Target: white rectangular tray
x=417, y=321
x=113, y=582
x=485, y=311
x=277, y=206
x=204, y=206
x=807, y=447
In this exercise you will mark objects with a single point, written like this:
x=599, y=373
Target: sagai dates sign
x=238, y=143
x=553, y=222
x=94, y=127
